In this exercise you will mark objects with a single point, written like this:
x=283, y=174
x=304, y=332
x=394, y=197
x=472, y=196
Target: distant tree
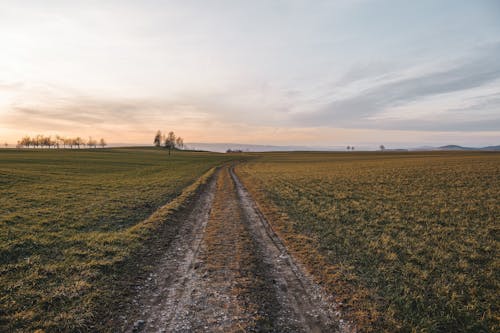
x=348, y=147
x=382, y=147
x=44, y=141
x=352, y=148
x=6, y=145
x=179, y=143
x=38, y=140
x=92, y=143
x=48, y=142
x=25, y=142
x=158, y=139
x=58, y=141
x=102, y=143
x=170, y=142
x=68, y=142
x=78, y=142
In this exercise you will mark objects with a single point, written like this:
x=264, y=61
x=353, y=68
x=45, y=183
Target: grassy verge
x=69, y=220
x=407, y=242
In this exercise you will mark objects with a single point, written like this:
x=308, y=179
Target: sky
x=316, y=73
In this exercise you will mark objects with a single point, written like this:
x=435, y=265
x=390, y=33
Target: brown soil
x=227, y=271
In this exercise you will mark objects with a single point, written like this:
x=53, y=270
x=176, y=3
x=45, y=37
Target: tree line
x=169, y=141
x=42, y=141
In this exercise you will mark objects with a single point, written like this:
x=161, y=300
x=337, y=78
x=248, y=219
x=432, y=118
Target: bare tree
x=158, y=139
x=170, y=142
x=63, y=141
x=91, y=143
x=38, y=140
x=179, y=143
x=78, y=142
x=102, y=143
x=68, y=142
x=6, y=145
x=58, y=141
x=25, y=141
x=382, y=147
x=47, y=142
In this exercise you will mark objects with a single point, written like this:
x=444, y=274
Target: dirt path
x=227, y=271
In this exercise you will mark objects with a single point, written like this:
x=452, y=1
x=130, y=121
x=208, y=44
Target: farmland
x=69, y=219
x=402, y=241
x=405, y=241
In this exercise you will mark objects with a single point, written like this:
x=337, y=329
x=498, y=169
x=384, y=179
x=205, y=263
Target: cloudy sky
x=364, y=72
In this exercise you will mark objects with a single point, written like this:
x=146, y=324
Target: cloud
x=372, y=96
x=50, y=109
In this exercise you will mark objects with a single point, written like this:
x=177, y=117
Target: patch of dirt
x=227, y=271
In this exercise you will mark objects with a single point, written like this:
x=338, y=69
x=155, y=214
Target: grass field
x=406, y=241
x=68, y=218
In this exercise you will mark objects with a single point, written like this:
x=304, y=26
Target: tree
x=158, y=139
x=43, y=141
x=68, y=142
x=102, y=143
x=48, y=141
x=92, y=143
x=58, y=141
x=6, y=145
x=170, y=142
x=179, y=143
x=25, y=141
x=348, y=147
x=78, y=142
x=382, y=147
x=38, y=140
x=352, y=147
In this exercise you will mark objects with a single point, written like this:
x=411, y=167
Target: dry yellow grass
x=408, y=242
x=71, y=220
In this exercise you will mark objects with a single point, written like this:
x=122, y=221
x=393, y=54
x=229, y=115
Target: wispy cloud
x=373, y=96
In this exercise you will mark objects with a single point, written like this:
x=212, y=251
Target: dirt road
x=226, y=271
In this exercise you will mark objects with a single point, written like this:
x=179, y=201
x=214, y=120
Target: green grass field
x=68, y=217
x=406, y=241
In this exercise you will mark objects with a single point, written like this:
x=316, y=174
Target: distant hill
x=456, y=147
x=496, y=148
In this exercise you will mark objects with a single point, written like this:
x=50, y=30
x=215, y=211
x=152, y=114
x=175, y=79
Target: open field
x=405, y=241
x=134, y=240
x=69, y=219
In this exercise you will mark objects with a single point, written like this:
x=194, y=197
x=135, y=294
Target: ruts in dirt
x=227, y=271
